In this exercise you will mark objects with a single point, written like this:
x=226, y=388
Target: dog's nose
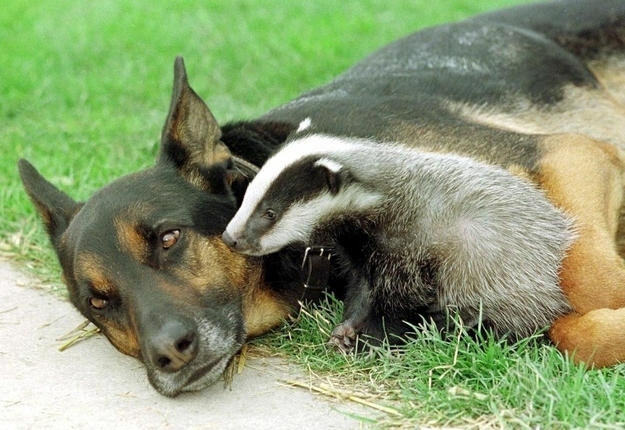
x=173, y=347
x=228, y=240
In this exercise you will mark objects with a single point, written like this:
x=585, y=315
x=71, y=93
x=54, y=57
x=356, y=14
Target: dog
x=537, y=90
x=458, y=237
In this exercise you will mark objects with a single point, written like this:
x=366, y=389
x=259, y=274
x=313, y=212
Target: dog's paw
x=344, y=337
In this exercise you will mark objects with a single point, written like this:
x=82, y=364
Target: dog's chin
x=191, y=378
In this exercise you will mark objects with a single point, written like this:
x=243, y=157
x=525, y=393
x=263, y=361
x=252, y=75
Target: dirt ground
x=91, y=385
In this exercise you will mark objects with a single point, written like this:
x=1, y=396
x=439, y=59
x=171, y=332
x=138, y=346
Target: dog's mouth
x=191, y=378
x=217, y=347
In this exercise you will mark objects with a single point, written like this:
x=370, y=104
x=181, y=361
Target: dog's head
x=143, y=257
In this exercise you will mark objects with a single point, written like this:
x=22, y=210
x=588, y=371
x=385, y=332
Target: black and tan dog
x=539, y=90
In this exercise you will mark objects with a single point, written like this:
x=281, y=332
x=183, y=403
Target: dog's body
x=458, y=235
x=537, y=90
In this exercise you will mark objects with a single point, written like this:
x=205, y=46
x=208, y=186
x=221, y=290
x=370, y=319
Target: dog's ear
x=55, y=207
x=191, y=138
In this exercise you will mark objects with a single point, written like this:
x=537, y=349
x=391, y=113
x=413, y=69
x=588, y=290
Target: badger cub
x=420, y=235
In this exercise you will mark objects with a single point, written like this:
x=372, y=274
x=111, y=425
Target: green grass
x=84, y=91
x=459, y=380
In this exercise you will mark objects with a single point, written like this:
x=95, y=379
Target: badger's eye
x=98, y=303
x=270, y=214
x=169, y=238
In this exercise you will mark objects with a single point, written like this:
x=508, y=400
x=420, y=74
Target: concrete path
x=91, y=385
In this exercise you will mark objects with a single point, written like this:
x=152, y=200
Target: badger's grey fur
x=419, y=233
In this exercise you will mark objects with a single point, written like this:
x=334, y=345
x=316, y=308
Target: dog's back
x=478, y=81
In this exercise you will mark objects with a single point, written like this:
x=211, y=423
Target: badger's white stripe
x=299, y=221
x=316, y=144
x=295, y=225
x=304, y=125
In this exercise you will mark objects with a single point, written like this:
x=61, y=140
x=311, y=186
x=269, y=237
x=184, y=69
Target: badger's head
x=304, y=185
x=284, y=207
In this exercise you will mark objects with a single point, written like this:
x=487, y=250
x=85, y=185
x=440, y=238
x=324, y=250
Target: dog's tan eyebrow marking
x=131, y=239
x=92, y=268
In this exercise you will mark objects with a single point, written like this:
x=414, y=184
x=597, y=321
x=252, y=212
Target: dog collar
x=315, y=269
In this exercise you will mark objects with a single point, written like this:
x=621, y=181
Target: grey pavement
x=91, y=385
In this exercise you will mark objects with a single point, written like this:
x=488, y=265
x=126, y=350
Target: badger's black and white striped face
x=292, y=194
x=289, y=208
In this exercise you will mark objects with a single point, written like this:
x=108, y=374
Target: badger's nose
x=228, y=240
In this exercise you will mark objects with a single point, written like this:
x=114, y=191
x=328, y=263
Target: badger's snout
x=244, y=243
x=229, y=240
x=239, y=243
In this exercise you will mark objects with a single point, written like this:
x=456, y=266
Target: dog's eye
x=98, y=303
x=270, y=214
x=169, y=238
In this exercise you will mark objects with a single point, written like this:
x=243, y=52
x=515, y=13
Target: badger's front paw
x=344, y=336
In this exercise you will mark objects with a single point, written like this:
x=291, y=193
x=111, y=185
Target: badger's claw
x=344, y=337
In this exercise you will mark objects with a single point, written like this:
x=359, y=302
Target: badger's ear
x=335, y=174
x=191, y=137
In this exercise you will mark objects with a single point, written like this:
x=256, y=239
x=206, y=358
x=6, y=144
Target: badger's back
x=463, y=234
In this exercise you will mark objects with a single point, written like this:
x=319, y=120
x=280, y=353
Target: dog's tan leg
x=585, y=178
x=595, y=338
